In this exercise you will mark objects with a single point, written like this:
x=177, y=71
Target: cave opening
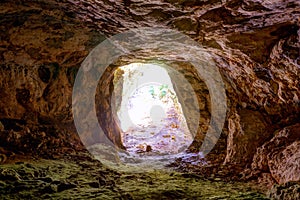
x=236, y=67
x=149, y=112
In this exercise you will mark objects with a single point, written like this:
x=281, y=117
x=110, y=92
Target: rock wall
x=255, y=44
x=280, y=156
x=41, y=51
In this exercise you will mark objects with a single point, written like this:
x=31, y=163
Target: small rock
x=65, y=186
x=140, y=146
x=29, y=165
x=148, y=148
x=9, y=174
x=102, y=180
x=127, y=196
x=46, y=179
x=50, y=189
x=94, y=184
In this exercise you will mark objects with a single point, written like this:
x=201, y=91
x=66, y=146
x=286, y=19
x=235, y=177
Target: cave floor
x=167, y=138
x=81, y=177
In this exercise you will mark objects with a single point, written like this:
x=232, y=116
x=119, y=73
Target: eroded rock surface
x=280, y=156
x=289, y=191
x=255, y=45
x=81, y=177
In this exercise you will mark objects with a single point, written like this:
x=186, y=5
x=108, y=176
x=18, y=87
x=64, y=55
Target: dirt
x=82, y=177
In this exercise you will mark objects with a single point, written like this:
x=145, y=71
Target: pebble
x=148, y=148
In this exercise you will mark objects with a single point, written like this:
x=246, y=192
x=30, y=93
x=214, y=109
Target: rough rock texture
x=81, y=177
x=280, y=156
x=288, y=191
x=247, y=131
x=255, y=44
x=41, y=50
x=104, y=107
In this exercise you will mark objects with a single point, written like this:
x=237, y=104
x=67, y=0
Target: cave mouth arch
x=148, y=110
x=96, y=123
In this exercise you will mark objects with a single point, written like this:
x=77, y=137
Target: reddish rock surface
x=280, y=156
x=255, y=45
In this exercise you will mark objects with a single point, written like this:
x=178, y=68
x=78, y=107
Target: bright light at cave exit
x=145, y=86
x=150, y=109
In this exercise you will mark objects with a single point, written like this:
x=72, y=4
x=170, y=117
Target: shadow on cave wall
x=254, y=44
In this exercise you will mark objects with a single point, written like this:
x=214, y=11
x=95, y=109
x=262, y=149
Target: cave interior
x=166, y=99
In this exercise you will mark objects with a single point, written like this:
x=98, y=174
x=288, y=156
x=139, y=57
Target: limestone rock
x=255, y=45
x=280, y=156
x=247, y=131
x=287, y=191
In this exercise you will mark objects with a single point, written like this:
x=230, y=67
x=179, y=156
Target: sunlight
x=150, y=114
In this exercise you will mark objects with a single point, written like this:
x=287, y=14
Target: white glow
x=150, y=114
x=137, y=101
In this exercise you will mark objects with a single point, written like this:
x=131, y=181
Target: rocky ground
x=81, y=177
